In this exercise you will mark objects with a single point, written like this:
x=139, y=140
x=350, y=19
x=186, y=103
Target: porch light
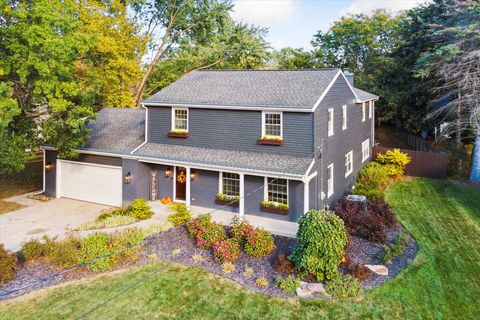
x=49, y=166
x=193, y=175
x=127, y=178
x=168, y=172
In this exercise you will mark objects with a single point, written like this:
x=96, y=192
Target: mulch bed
x=163, y=245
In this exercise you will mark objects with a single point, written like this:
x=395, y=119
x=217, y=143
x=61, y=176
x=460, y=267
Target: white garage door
x=90, y=182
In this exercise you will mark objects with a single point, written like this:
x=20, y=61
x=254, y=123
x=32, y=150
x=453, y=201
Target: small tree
x=321, y=243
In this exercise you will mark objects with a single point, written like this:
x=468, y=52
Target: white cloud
x=367, y=6
x=278, y=43
x=264, y=13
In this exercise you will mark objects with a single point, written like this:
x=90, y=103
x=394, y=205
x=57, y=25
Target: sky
x=292, y=23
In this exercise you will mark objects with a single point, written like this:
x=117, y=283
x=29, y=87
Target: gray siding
x=51, y=176
x=343, y=141
x=233, y=130
x=204, y=189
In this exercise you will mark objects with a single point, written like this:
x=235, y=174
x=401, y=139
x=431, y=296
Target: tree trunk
x=475, y=170
x=458, y=129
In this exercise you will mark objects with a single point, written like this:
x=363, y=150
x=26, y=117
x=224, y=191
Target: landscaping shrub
x=357, y=270
x=94, y=246
x=372, y=180
x=283, y=265
x=8, y=264
x=240, y=230
x=343, y=287
x=108, y=222
x=395, y=161
x=259, y=243
x=180, y=215
x=370, y=223
x=321, y=243
x=205, y=232
x=139, y=209
x=65, y=253
x=248, y=272
x=287, y=284
x=261, y=282
x=108, y=213
x=121, y=239
x=226, y=250
x=395, y=249
x=228, y=267
x=32, y=249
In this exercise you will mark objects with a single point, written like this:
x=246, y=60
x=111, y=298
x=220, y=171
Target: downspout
x=322, y=194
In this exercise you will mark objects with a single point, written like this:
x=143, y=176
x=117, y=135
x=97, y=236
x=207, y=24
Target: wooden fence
x=424, y=164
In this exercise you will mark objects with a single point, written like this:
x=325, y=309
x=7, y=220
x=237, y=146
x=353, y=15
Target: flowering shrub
x=276, y=205
x=259, y=243
x=226, y=251
x=205, y=232
x=240, y=230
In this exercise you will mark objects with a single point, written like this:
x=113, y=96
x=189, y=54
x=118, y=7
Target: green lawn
x=442, y=283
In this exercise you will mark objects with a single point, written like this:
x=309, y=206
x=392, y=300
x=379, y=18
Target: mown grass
x=442, y=283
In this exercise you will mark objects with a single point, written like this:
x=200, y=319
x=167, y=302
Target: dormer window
x=179, y=123
x=272, y=128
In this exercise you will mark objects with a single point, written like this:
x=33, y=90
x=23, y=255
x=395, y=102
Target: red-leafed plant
x=226, y=251
x=241, y=231
x=259, y=243
x=205, y=232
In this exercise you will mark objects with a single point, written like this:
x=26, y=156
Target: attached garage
x=89, y=182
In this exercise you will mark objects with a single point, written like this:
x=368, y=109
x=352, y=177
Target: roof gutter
x=227, y=107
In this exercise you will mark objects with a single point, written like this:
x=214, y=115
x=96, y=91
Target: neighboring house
x=297, y=137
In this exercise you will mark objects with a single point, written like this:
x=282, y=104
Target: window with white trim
x=348, y=163
x=180, y=119
x=330, y=122
x=364, y=112
x=370, y=109
x=277, y=190
x=230, y=184
x=365, y=150
x=344, y=117
x=329, y=180
x=272, y=124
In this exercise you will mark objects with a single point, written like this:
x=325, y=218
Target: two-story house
x=296, y=137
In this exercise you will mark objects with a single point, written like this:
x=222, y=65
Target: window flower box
x=274, y=207
x=231, y=201
x=270, y=141
x=182, y=134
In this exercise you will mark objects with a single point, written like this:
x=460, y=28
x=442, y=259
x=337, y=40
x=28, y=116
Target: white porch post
x=306, y=196
x=187, y=196
x=241, y=207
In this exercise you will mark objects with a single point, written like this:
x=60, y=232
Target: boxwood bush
x=321, y=243
x=139, y=209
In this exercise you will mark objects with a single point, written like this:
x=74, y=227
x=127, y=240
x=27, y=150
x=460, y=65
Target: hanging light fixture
x=168, y=172
x=127, y=178
x=193, y=175
x=49, y=166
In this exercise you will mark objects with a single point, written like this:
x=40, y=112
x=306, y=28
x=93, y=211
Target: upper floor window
x=329, y=180
x=277, y=190
x=230, y=184
x=344, y=117
x=180, y=119
x=272, y=125
x=365, y=150
x=364, y=112
x=348, y=163
x=330, y=122
x=370, y=109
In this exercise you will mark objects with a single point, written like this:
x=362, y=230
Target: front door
x=181, y=183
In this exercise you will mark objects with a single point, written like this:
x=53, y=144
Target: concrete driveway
x=53, y=218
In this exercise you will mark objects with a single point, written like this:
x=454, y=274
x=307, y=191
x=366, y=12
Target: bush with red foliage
x=226, y=250
x=370, y=223
x=357, y=270
x=283, y=265
x=205, y=232
x=241, y=231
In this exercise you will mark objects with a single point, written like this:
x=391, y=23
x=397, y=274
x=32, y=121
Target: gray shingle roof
x=117, y=130
x=265, y=162
x=295, y=89
x=364, y=95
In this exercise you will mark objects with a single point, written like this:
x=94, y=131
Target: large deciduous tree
x=194, y=34
x=58, y=62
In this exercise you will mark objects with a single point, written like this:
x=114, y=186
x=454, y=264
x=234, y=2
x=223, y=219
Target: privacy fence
x=424, y=164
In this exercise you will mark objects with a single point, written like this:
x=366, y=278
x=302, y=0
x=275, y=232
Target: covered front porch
x=278, y=227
